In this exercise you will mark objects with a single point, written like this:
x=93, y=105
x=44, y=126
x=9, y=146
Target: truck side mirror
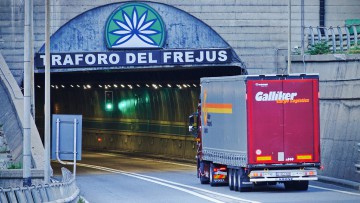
x=193, y=124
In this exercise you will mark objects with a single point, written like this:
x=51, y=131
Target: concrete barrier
x=183, y=147
x=65, y=191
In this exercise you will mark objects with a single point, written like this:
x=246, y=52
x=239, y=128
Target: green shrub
x=81, y=200
x=15, y=165
x=321, y=47
x=354, y=50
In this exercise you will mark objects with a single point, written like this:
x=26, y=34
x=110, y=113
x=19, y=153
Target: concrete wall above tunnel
x=136, y=36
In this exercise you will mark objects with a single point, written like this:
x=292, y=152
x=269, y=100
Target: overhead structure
x=136, y=36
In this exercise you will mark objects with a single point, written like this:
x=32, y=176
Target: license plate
x=283, y=174
x=285, y=179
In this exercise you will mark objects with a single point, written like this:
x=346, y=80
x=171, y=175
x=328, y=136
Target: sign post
x=68, y=133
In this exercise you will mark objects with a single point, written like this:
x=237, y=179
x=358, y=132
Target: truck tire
x=236, y=179
x=204, y=180
x=231, y=179
x=211, y=175
x=242, y=177
x=201, y=171
x=297, y=185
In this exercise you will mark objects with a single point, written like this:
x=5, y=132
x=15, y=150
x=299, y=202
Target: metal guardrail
x=357, y=166
x=65, y=191
x=339, y=38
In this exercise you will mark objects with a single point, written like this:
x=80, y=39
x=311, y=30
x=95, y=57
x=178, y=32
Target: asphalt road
x=106, y=177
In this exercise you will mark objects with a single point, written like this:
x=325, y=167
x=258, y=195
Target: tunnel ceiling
x=139, y=36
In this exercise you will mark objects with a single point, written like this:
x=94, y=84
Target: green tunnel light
x=109, y=103
x=109, y=107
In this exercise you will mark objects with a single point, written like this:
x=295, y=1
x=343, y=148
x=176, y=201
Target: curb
x=340, y=182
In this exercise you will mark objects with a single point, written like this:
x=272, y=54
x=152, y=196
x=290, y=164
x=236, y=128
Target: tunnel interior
x=148, y=106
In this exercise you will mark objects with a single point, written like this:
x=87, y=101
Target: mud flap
x=244, y=184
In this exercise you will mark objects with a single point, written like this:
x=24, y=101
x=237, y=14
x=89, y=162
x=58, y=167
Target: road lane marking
x=168, y=184
x=340, y=191
x=134, y=175
x=152, y=160
x=200, y=189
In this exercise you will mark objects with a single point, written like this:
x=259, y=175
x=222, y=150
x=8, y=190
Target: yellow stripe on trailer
x=263, y=158
x=304, y=157
x=220, y=110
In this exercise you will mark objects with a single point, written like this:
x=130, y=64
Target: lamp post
x=27, y=94
x=289, y=39
x=47, y=93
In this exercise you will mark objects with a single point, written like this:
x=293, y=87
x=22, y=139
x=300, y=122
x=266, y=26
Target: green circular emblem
x=135, y=25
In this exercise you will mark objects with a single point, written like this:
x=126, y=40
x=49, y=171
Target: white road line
x=168, y=184
x=199, y=189
x=152, y=160
x=340, y=191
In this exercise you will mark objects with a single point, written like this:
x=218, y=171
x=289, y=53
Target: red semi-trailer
x=256, y=130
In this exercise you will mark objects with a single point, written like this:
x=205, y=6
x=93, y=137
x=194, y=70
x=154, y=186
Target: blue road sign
x=64, y=130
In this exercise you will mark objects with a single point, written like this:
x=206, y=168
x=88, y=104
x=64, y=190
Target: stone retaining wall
x=339, y=110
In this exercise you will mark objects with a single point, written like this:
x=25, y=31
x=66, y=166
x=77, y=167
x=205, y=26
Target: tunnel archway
x=150, y=56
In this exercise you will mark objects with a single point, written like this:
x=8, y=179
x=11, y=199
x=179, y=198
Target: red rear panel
x=283, y=121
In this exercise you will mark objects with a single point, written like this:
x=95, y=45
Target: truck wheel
x=212, y=183
x=242, y=177
x=231, y=179
x=236, y=180
x=202, y=167
x=204, y=180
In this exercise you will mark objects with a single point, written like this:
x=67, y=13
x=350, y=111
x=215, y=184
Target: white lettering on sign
x=274, y=96
x=102, y=59
x=151, y=60
x=90, y=59
x=56, y=60
x=78, y=58
x=138, y=57
x=222, y=55
x=114, y=59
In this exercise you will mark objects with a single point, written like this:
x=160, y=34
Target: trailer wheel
x=236, y=179
x=242, y=177
x=203, y=166
x=212, y=183
x=231, y=179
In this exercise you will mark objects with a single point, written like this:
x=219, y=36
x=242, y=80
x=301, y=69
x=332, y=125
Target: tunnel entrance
x=145, y=59
x=150, y=108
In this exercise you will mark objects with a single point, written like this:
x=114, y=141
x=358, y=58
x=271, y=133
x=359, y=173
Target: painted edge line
x=334, y=190
x=138, y=176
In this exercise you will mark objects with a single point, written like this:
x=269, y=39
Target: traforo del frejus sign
x=135, y=35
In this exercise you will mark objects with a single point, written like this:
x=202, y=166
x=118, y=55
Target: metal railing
x=339, y=38
x=64, y=191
